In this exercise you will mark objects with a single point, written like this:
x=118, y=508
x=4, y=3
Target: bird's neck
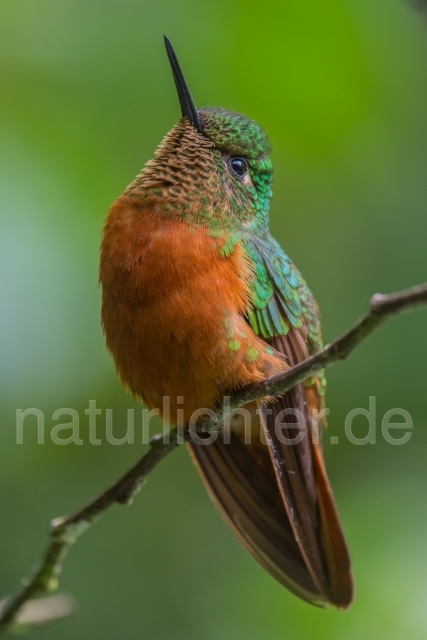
x=181, y=181
x=185, y=180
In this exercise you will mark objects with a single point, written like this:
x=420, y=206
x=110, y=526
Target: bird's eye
x=238, y=166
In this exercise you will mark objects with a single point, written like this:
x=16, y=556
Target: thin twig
x=382, y=307
x=65, y=531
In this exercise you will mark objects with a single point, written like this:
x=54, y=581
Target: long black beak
x=187, y=105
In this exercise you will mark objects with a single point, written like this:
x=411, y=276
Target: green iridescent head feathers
x=233, y=133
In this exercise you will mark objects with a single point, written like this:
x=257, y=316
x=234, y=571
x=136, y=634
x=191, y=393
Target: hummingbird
x=199, y=301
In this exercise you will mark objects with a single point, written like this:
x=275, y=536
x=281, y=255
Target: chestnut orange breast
x=173, y=311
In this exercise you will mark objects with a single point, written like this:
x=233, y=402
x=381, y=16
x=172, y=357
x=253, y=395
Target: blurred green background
x=86, y=95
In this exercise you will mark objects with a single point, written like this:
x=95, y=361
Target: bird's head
x=212, y=168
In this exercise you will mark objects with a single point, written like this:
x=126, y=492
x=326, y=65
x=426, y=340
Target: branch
x=382, y=307
x=65, y=531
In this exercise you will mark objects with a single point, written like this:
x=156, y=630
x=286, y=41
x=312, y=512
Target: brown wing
x=303, y=483
x=276, y=497
x=241, y=481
